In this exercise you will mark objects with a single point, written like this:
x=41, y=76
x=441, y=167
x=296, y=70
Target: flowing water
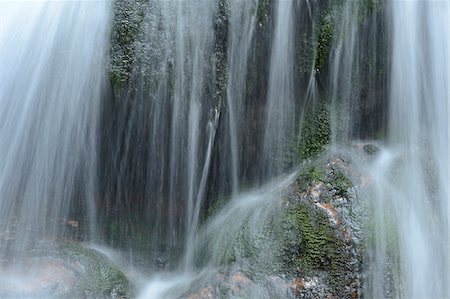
x=409, y=230
x=157, y=161
x=52, y=58
x=412, y=204
x=221, y=236
x=242, y=27
x=216, y=94
x=279, y=124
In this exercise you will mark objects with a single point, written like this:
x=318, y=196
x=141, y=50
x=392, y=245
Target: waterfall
x=215, y=148
x=158, y=164
x=52, y=57
x=388, y=83
x=411, y=217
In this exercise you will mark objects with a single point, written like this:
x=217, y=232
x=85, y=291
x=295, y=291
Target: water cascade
x=224, y=149
x=411, y=205
x=52, y=73
x=52, y=77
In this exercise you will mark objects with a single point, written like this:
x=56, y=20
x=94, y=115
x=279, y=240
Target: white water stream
x=52, y=58
x=411, y=205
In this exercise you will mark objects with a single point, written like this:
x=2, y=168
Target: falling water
x=242, y=26
x=159, y=161
x=52, y=57
x=223, y=233
x=358, y=63
x=206, y=98
x=411, y=204
x=279, y=124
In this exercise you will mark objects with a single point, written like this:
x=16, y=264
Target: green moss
x=324, y=39
x=341, y=183
x=315, y=134
x=262, y=11
x=312, y=174
x=221, y=35
x=103, y=279
x=294, y=241
x=332, y=18
x=310, y=244
x=127, y=25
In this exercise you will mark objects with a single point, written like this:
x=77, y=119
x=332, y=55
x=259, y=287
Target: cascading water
x=358, y=87
x=408, y=241
x=52, y=73
x=159, y=161
x=220, y=237
x=52, y=57
x=411, y=219
x=178, y=163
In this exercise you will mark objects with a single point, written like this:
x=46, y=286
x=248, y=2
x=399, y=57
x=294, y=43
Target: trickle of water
x=242, y=27
x=279, y=124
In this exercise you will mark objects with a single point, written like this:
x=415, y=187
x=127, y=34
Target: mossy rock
x=316, y=132
x=263, y=11
x=316, y=246
x=220, y=51
x=324, y=39
x=126, y=30
x=371, y=149
x=65, y=270
x=102, y=279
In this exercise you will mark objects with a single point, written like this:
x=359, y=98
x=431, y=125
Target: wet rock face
x=327, y=216
x=65, y=270
x=311, y=247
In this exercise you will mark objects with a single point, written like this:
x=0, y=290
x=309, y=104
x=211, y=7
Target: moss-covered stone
x=127, y=25
x=221, y=40
x=312, y=234
x=101, y=279
x=315, y=246
x=324, y=39
x=340, y=183
x=263, y=11
x=312, y=174
x=66, y=270
x=316, y=132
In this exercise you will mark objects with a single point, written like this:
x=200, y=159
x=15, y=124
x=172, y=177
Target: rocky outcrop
x=311, y=247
